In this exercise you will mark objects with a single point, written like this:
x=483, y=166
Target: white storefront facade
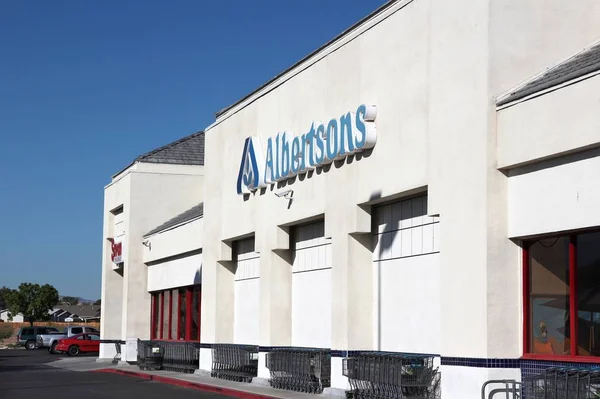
x=403, y=188
x=152, y=249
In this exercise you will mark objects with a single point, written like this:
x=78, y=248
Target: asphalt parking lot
x=26, y=374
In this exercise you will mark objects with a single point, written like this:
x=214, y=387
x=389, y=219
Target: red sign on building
x=116, y=254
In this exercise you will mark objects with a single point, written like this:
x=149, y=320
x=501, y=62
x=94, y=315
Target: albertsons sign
x=288, y=155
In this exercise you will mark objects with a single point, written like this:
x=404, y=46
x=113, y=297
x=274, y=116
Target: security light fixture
x=285, y=194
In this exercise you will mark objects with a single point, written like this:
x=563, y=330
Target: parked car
x=27, y=335
x=80, y=343
x=50, y=340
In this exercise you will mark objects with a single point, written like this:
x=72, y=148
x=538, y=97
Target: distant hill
x=81, y=300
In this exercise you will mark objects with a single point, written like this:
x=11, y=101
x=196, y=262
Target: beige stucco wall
x=174, y=241
x=555, y=123
x=365, y=70
x=174, y=256
x=150, y=195
x=548, y=146
x=434, y=69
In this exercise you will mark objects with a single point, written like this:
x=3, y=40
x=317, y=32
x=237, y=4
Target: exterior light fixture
x=285, y=194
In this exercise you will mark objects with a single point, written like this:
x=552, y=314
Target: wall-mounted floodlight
x=285, y=194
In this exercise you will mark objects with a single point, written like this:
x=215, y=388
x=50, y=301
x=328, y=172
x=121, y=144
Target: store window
x=562, y=278
x=175, y=314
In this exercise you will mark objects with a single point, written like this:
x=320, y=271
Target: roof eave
x=508, y=98
x=153, y=232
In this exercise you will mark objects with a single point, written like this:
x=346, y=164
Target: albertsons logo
x=288, y=155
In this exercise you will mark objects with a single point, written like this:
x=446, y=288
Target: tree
x=4, y=292
x=71, y=300
x=33, y=301
x=98, y=302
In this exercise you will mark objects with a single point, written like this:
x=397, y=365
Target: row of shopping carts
x=181, y=357
x=234, y=362
x=371, y=375
x=376, y=375
x=300, y=369
x=563, y=383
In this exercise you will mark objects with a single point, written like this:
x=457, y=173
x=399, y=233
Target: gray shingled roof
x=185, y=151
x=586, y=62
x=83, y=310
x=191, y=214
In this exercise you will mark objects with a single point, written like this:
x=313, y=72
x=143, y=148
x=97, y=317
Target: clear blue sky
x=86, y=86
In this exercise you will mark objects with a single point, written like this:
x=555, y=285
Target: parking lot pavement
x=25, y=374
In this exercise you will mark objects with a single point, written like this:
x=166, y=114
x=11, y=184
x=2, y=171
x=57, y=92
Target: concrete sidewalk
x=209, y=384
x=81, y=363
x=190, y=381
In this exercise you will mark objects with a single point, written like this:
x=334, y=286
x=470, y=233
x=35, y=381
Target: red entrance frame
x=158, y=314
x=153, y=317
x=573, y=357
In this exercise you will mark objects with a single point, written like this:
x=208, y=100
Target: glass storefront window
x=563, y=280
x=175, y=314
x=549, y=296
x=182, y=312
x=195, y=333
x=588, y=294
x=154, y=321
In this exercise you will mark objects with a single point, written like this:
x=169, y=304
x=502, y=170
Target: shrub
x=6, y=331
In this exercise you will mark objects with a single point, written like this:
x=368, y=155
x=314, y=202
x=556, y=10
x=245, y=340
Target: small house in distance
x=5, y=316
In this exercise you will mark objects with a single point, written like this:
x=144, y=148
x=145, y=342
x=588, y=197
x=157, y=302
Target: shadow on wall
x=304, y=234
x=198, y=276
x=386, y=232
x=385, y=244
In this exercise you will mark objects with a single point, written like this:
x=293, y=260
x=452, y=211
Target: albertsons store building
x=426, y=183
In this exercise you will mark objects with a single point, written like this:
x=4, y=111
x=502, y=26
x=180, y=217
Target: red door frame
x=199, y=312
x=572, y=309
x=526, y=305
x=158, y=314
x=153, y=316
x=574, y=315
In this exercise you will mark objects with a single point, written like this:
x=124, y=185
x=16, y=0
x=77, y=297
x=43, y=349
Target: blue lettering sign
x=361, y=138
x=270, y=170
x=285, y=156
x=310, y=145
x=320, y=153
x=288, y=155
x=296, y=155
x=250, y=176
x=332, y=139
x=346, y=135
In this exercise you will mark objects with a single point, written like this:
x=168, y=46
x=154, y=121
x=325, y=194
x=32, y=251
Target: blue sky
x=87, y=86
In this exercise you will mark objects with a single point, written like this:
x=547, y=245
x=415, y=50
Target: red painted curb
x=188, y=384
